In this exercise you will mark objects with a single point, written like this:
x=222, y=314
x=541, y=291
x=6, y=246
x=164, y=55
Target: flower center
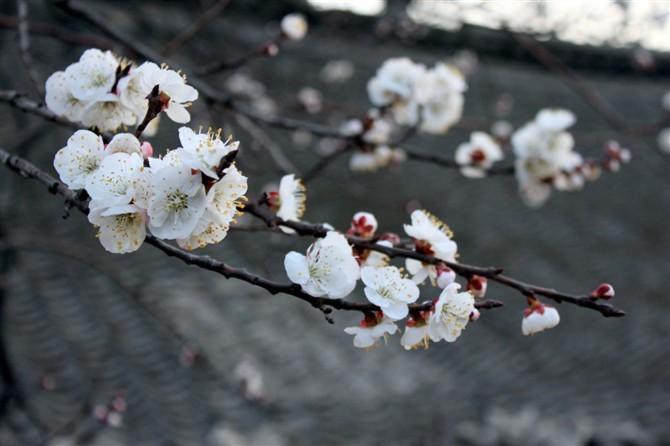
x=176, y=201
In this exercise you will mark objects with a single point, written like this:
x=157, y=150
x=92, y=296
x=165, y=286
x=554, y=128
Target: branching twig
x=494, y=274
x=198, y=25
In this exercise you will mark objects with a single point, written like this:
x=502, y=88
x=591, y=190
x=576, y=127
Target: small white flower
x=394, y=85
x=371, y=330
x=478, y=155
x=545, y=156
x=173, y=85
x=108, y=113
x=117, y=181
x=120, y=230
x=380, y=157
x=177, y=202
x=204, y=151
x=223, y=201
x=125, y=143
x=93, y=76
x=440, y=94
x=386, y=288
x=432, y=237
x=351, y=127
x=379, y=132
x=329, y=268
x=60, y=100
x=292, y=199
x=416, y=333
x=294, y=26
x=539, y=317
x=451, y=315
x=79, y=158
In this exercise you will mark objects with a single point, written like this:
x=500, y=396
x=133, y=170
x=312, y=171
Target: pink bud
x=474, y=315
x=604, y=291
x=477, y=286
x=147, y=149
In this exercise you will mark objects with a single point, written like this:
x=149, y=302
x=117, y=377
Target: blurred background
x=141, y=349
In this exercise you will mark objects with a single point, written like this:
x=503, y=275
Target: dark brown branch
x=198, y=25
x=29, y=170
x=25, y=104
x=492, y=273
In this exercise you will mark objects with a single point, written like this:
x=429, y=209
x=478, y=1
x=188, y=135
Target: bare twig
x=274, y=150
x=24, y=46
x=64, y=35
x=198, y=25
x=23, y=103
x=494, y=274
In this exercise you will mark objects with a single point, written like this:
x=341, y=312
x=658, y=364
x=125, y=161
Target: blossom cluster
x=546, y=159
x=105, y=92
x=431, y=98
x=331, y=269
x=187, y=195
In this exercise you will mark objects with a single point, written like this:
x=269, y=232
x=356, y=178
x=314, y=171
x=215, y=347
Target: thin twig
x=24, y=46
x=62, y=34
x=198, y=25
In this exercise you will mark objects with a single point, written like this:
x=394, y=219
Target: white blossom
x=222, y=203
x=93, y=76
x=329, y=268
x=432, y=237
x=79, y=158
x=539, y=317
x=380, y=157
x=294, y=26
x=204, y=151
x=416, y=333
x=545, y=156
x=117, y=182
x=60, y=99
x=177, y=202
x=291, y=196
x=478, y=155
x=173, y=85
x=369, y=332
x=394, y=85
x=125, y=143
x=440, y=93
x=451, y=314
x=121, y=229
x=386, y=288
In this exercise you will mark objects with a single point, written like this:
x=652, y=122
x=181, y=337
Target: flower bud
x=604, y=291
x=477, y=286
x=147, y=150
x=363, y=224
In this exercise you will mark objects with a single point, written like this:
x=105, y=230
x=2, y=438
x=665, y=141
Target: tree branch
x=29, y=170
